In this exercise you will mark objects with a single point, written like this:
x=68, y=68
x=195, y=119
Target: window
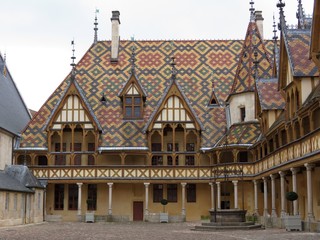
x=157, y=192
x=242, y=114
x=243, y=156
x=39, y=200
x=191, y=193
x=157, y=160
x=73, y=197
x=77, y=157
x=172, y=193
x=170, y=147
x=90, y=157
x=156, y=147
x=60, y=159
x=7, y=201
x=92, y=197
x=190, y=147
x=58, y=196
x=132, y=106
x=170, y=160
x=42, y=161
x=190, y=160
x=15, y=201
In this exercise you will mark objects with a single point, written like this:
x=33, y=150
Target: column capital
x=79, y=184
x=273, y=176
x=309, y=166
x=218, y=183
x=211, y=183
x=110, y=184
x=183, y=184
x=282, y=174
x=146, y=184
x=265, y=179
x=294, y=170
x=255, y=181
x=235, y=182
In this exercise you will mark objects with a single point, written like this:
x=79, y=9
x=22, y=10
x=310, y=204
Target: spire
x=96, y=27
x=300, y=16
x=133, y=59
x=252, y=17
x=282, y=23
x=173, y=70
x=73, y=72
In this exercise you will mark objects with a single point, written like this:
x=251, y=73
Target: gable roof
x=269, y=95
x=195, y=61
x=14, y=112
x=253, y=51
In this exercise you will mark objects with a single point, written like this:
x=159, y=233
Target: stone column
x=309, y=191
x=110, y=199
x=79, y=200
x=183, y=199
x=212, y=196
x=283, y=194
x=273, y=195
x=255, y=190
x=218, y=195
x=146, y=187
x=235, y=188
x=294, y=189
x=265, y=197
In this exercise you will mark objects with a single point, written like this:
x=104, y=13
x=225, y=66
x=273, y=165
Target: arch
x=24, y=160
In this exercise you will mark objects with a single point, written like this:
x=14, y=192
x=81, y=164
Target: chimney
x=259, y=22
x=115, y=21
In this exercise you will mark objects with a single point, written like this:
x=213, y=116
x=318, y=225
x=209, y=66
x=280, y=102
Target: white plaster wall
x=5, y=149
x=240, y=100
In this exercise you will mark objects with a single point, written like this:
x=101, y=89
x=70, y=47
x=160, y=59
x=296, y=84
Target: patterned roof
x=195, y=63
x=298, y=47
x=241, y=133
x=246, y=70
x=269, y=96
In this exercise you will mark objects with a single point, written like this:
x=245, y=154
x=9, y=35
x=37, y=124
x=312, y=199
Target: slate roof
x=14, y=112
x=269, y=96
x=297, y=42
x=18, y=178
x=195, y=62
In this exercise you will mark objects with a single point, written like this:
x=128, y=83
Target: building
x=22, y=197
x=16, y=118
x=212, y=124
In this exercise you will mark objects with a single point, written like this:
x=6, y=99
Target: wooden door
x=137, y=211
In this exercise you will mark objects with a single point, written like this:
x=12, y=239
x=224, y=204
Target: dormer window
x=133, y=106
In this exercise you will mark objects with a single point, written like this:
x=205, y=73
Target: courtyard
x=139, y=230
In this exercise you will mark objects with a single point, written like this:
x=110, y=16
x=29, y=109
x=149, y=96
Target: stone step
x=215, y=228
x=228, y=224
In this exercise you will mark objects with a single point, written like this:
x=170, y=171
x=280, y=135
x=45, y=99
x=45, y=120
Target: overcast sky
x=36, y=34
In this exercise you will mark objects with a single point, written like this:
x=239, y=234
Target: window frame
x=59, y=196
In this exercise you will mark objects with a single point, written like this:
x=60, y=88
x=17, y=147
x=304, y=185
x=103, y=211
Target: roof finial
x=252, y=17
x=275, y=37
x=282, y=23
x=133, y=59
x=96, y=27
x=300, y=16
x=73, y=72
x=173, y=70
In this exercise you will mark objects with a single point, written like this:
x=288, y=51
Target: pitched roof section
x=244, y=80
x=241, y=134
x=297, y=42
x=14, y=112
x=269, y=96
x=195, y=61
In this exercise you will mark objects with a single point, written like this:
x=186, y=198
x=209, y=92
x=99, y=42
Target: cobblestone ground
x=140, y=231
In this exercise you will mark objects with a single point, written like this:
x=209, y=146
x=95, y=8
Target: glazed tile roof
x=244, y=133
x=269, y=96
x=246, y=70
x=297, y=42
x=195, y=63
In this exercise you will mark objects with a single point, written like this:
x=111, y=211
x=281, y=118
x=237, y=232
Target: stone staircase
x=214, y=226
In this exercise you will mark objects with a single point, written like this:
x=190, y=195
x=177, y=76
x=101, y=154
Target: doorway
x=137, y=211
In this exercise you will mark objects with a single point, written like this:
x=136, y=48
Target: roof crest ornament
x=173, y=70
x=4, y=64
x=252, y=16
x=256, y=64
x=73, y=72
x=96, y=27
x=133, y=59
x=282, y=23
x=300, y=16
